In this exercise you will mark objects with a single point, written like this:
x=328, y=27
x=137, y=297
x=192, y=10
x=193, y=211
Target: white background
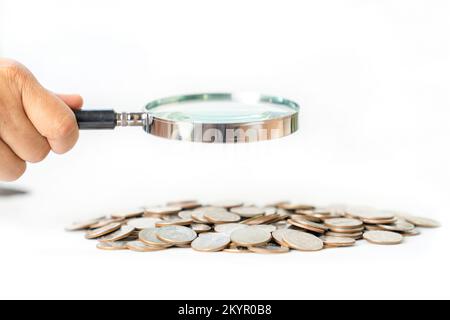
x=373, y=78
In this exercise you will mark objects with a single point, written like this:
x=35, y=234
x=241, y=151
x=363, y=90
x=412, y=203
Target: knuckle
x=65, y=128
x=12, y=69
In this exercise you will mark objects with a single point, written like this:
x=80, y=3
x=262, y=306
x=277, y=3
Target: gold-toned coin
x=344, y=223
x=200, y=227
x=148, y=236
x=83, y=225
x=399, y=226
x=97, y=233
x=228, y=228
x=222, y=217
x=383, y=237
x=128, y=214
x=302, y=241
x=251, y=236
x=139, y=246
x=167, y=210
x=269, y=249
x=185, y=205
x=174, y=222
x=422, y=222
x=248, y=212
x=338, y=241
x=227, y=204
x=143, y=223
x=112, y=246
x=211, y=242
x=122, y=233
x=178, y=235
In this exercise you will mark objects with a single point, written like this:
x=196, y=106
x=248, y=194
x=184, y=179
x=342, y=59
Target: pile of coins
x=239, y=228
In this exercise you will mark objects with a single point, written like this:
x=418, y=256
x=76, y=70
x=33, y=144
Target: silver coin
x=251, y=236
x=163, y=210
x=198, y=215
x=211, y=242
x=148, y=236
x=338, y=241
x=302, y=241
x=97, y=233
x=200, y=228
x=112, y=246
x=422, y=222
x=128, y=214
x=184, y=205
x=270, y=210
x=234, y=248
x=142, y=247
x=309, y=225
x=106, y=221
x=400, y=226
x=173, y=222
x=371, y=214
x=227, y=204
x=185, y=214
x=83, y=225
x=228, y=228
x=120, y=234
x=383, y=237
x=176, y=234
x=344, y=223
x=278, y=236
x=268, y=227
x=248, y=212
x=296, y=206
x=221, y=217
x=143, y=223
x=269, y=249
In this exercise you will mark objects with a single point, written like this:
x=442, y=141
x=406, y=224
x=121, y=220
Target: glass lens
x=220, y=112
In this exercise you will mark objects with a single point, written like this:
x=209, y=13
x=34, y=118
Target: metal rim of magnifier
x=223, y=133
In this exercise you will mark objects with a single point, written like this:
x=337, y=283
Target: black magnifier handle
x=96, y=119
x=109, y=119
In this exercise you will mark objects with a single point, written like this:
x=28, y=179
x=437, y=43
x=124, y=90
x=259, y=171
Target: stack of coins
x=232, y=226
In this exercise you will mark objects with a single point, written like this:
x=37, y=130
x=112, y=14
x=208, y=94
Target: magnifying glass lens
x=220, y=112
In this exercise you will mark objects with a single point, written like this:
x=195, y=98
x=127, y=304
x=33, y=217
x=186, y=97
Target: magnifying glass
x=207, y=117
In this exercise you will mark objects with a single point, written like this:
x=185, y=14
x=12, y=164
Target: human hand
x=33, y=120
